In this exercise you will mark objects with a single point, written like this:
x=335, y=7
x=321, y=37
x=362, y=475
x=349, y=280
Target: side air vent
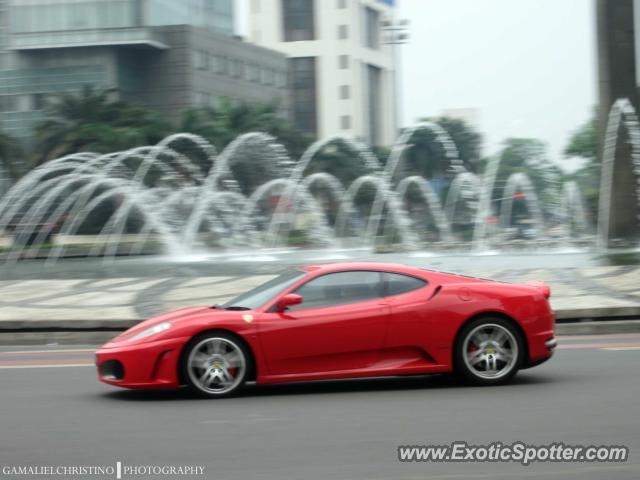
x=435, y=291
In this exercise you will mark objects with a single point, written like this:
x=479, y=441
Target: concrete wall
x=618, y=79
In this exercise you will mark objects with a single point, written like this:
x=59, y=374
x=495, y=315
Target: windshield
x=260, y=295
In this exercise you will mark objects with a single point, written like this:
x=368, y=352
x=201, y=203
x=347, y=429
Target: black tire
x=218, y=348
x=482, y=373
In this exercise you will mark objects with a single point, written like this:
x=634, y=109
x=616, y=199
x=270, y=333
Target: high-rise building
x=341, y=72
x=167, y=54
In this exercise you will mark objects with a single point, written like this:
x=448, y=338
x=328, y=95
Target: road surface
x=53, y=411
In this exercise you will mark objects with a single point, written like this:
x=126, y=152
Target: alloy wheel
x=216, y=365
x=490, y=351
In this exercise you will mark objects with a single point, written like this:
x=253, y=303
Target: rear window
x=397, y=284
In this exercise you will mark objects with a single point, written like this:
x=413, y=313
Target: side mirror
x=287, y=301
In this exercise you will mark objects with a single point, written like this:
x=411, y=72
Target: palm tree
x=230, y=119
x=222, y=125
x=93, y=121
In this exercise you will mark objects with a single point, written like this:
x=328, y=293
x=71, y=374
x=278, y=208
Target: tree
x=427, y=157
x=230, y=119
x=468, y=141
x=584, y=144
x=10, y=156
x=529, y=156
x=93, y=121
x=220, y=126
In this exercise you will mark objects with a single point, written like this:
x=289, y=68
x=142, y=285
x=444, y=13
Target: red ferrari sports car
x=339, y=320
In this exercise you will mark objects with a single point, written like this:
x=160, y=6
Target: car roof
x=342, y=266
x=424, y=273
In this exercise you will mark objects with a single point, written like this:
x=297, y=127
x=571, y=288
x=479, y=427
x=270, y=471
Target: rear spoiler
x=543, y=287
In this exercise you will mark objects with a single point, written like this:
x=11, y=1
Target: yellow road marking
x=6, y=367
x=23, y=352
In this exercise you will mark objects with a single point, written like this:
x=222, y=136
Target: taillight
x=546, y=291
x=544, y=288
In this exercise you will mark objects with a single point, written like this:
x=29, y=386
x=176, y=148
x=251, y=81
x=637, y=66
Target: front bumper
x=140, y=365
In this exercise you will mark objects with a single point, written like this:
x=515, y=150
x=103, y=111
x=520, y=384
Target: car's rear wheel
x=215, y=365
x=489, y=351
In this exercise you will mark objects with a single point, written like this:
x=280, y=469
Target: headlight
x=161, y=327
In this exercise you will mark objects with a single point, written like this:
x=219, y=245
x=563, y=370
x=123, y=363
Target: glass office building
x=141, y=48
x=28, y=16
x=216, y=15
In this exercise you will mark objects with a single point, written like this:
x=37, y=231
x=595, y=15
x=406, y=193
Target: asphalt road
x=54, y=412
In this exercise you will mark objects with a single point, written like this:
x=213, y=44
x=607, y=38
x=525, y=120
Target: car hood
x=178, y=318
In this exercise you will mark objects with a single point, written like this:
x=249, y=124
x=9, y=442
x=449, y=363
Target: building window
x=25, y=103
x=303, y=93
x=200, y=60
x=7, y=103
x=343, y=32
x=236, y=68
x=298, y=20
x=342, y=3
x=213, y=63
x=344, y=92
x=223, y=65
x=254, y=73
x=202, y=99
x=267, y=75
x=345, y=122
x=372, y=28
x=39, y=101
x=281, y=80
x=373, y=104
x=343, y=61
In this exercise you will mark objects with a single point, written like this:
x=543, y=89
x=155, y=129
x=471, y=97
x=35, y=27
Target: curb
x=598, y=327
x=563, y=316
x=595, y=313
x=84, y=333
x=92, y=337
x=56, y=338
x=66, y=325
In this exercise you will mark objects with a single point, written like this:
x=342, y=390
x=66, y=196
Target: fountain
x=520, y=182
x=5, y=181
x=182, y=196
x=572, y=213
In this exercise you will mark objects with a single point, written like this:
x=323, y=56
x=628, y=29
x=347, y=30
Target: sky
x=528, y=66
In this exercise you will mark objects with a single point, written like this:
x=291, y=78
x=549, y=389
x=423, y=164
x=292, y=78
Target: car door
x=339, y=325
x=408, y=337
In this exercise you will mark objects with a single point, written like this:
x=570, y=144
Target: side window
x=339, y=289
x=397, y=284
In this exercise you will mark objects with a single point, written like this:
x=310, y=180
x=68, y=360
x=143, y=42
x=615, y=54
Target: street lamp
x=396, y=32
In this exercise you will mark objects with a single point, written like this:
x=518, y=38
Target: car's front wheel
x=489, y=351
x=215, y=365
